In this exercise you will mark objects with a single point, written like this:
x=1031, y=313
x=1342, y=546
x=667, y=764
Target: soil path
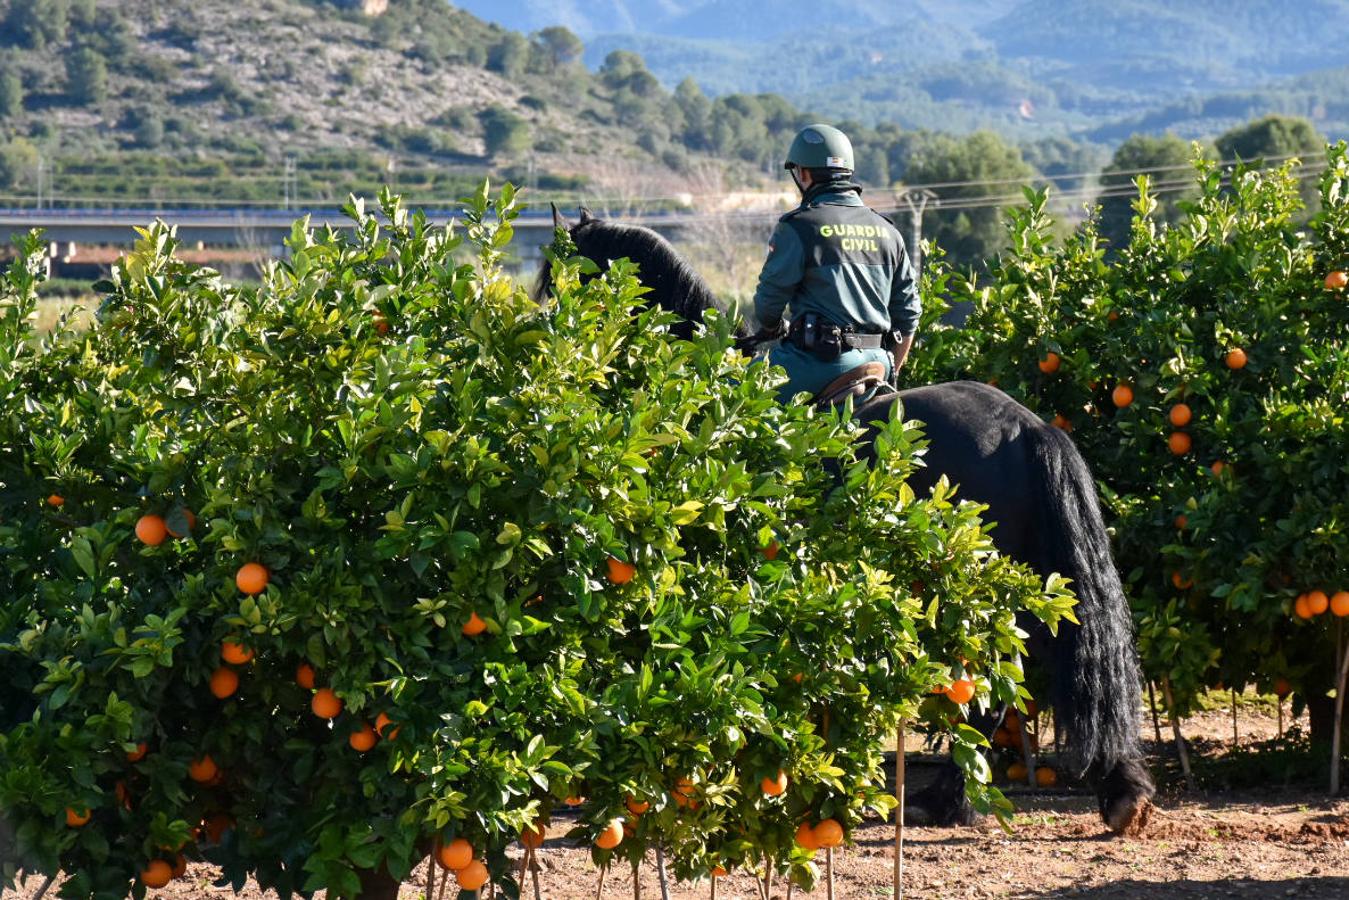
x=1265, y=843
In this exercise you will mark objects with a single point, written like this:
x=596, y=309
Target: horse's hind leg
x=941, y=801
x=1124, y=794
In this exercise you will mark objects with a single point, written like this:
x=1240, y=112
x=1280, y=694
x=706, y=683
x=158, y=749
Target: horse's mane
x=673, y=283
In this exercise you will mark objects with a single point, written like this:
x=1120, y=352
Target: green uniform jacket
x=839, y=259
x=835, y=257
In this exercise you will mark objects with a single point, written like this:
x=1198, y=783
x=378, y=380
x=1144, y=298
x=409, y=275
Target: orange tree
x=384, y=557
x=1204, y=372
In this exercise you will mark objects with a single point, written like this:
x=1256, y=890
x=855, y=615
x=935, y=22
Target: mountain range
x=1090, y=69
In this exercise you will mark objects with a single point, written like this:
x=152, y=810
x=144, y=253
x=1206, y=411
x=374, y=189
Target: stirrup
x=857, y=383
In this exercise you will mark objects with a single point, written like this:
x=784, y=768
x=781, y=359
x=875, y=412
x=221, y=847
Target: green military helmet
x=820, y=147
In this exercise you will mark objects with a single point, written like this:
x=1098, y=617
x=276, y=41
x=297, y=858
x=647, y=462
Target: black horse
x=1040, y=493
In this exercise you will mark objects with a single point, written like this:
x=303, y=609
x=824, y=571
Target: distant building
x=369, y=7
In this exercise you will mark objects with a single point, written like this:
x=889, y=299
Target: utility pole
x=915, y=200
x=289, y=182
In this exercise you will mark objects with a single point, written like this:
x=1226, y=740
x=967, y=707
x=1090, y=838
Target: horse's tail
x=1096, y=690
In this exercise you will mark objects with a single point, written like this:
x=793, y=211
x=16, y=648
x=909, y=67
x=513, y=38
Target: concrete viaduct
x=266, y=229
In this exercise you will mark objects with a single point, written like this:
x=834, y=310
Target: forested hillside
x=1093, y=69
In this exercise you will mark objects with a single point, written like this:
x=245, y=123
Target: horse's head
x=673, y=283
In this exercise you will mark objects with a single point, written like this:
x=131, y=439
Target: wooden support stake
x=1156, y=723
x=42, y=891
x=431, y=877
x=599, y=893
x=829, y=872
x=714, y=887
x=1175, y=732
x=768, y=879
x=636, y=880
x=1278, y=701
x=444, y=883
x=1027, y=754
x=534, y=875
x=899, y=814
x=1341, y=679
x=524, y=866
x=1235, y=738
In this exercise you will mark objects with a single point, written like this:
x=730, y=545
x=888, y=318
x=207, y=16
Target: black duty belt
x=828, y=341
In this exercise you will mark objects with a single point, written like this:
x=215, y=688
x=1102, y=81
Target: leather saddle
x=858, y=383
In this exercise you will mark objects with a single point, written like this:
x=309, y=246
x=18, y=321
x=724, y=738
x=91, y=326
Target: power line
x=1157, y=188
x=1268, y=161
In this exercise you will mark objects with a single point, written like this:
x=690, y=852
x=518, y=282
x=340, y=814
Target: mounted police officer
x=840, y=268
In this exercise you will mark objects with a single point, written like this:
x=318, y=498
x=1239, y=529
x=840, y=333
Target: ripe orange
x=234, y=652
x=1122, y=396
x=252, y=578
x=363, y=740
x=123, y=795
x=1181, y=415
x=1046, y=777
x=774, y=787
x=533, y=837
x=719, y=872
x=1181, y=521
x=770, y=552
x=75, y=819
x=474, y=626
x=574, y=800
x=1017, y=771
x=472, y=876
x=224, y=682
x=611, y=836
x=1180, y=581
x=621, y=572
x=1281, y=687
x=1062, y=422
x=805, y=837
x=151, y=530
x=304, y=676
x=829, y=833
x=635, y=806
x=1179, y=442
x=216, y=826
x=179, y=866
x=157, y=874
x=455, y=855
x=1336, y=281
x=138, y=754
x=1300, y=607
x=381, y=323
x=326, y=704
x=382, y=721
x=202, y=769
x=1218, y=467
x=1339, y=604
x=1317, y=602
x=1236, y=359
x=1050, y=364
x=1003, y=737
x=961, y=691
x=1032, y=708
x=191, y=523
x=56, y=500
x=683, y=792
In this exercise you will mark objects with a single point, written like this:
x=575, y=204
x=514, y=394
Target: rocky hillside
x=210, y=97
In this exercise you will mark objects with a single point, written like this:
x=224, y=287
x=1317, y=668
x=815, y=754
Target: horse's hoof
x=1128, y=816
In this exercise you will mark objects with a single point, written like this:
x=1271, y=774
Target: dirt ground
x=1237, y=835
